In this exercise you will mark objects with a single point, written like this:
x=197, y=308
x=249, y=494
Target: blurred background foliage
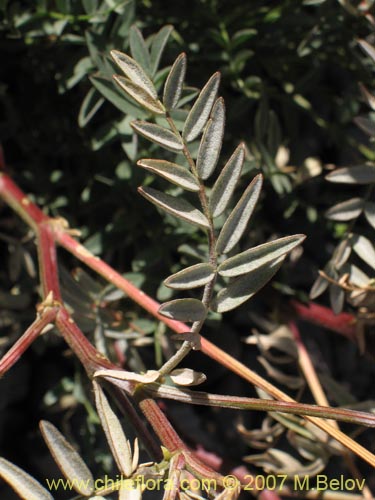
x=290, y=74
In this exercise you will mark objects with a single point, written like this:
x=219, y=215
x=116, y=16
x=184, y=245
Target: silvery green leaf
x=158, y=134
x=244, y=287
x=367, y=125
x=336, y=298
x=341, y=254
x=320, y=286
x=364, y=249
x=358, y=277
x=201, y=109
x=174, y=83
x=140, y=95
x=172, y=172
x=157, y=46
x=119, y=445
x=369, y=212
x=361, y=174
x=130, y=493
x=369, y=49
x=191, y=277
x=253, y=258
x=187, y=377
x=134, y=72
x=22, y=483
x=175, y=206
x=139, y=49
x=183, y=310
x=239, y=217
x=226, y=182
x=346, y=210
x=211, y=142
x=68, y=460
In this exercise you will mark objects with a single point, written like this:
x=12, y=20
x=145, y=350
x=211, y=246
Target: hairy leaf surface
x=210, y=146
x=22, y=483
x=244, y=287
x=139, y=49
x=226, y=182
x=191, y=277
x=158, y=44
x=183, y=310
x=362, y=174
x=201, y=109
x=158, y=134
x=139, y=95
x=346, y=210
x=174, y=173
x=236, y=223
x=174, y=83
x=255, y=257
x=364, y=249
x=134, y=72
x=69, y=461
x=175, y=206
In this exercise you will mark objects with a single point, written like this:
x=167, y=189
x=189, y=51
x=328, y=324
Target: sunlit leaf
x=158, y=44
x=139, y=95
x=249, y=260
x=210, y=146
x=201, y=109
x=226, y=182
x=346, y=210
x=187, y=377
x=364, y=249
x=68, y=460
x=117, y=98
x=236, y=223
x=183, y=310
x=22, y=483
x=119, y=445
x=174, y=83
x=336, y=298
x=175, y=206
x=191, y=277
x=369, y=211
x=367, y=125
x=244, y=287
x=158, y=134
x=369, y=49
x=134, y=72
x=362, y=174
x=172, y=172
x=127, y=492
x=139, y=49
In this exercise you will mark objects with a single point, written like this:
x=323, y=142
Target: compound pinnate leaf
x=244, y=287
x=134, y=72
x=69, y=461
x=184, y=310
x=159, y=135
x=239, y=217
x=199, y=113
x=22, y=483
x=139, y=95
x=175, y=206
x=173, y=173
x=174, y=83
x=139, y=49
x=226, y=182
x=255, y=257
x=364, y=249
x=362, y=174
x=369, y=211
x=119, y=445
x=191, y=277
x=346, y=210
x=210, y=146
x=157, y=46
